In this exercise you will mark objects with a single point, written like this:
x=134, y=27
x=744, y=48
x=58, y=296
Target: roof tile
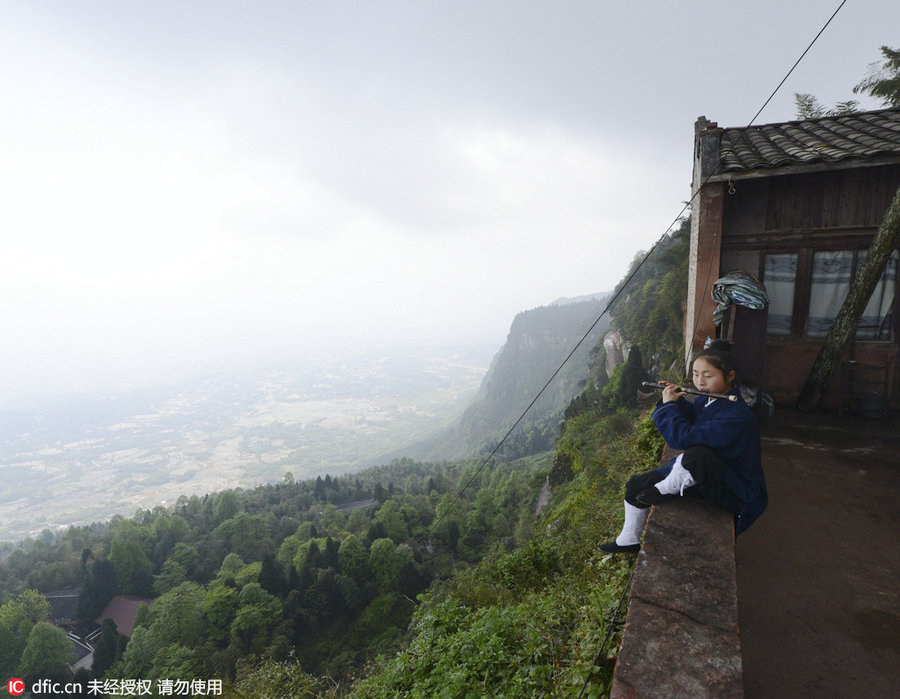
x=854, y=136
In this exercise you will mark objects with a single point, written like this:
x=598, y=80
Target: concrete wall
x=681, y=632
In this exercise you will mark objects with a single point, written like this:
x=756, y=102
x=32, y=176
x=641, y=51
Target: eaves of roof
x=849, y=140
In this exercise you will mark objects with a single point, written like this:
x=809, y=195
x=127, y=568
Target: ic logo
x=15, y=686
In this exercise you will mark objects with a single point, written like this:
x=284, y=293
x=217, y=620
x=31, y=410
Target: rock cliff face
x=538, y=342
x=616, y=350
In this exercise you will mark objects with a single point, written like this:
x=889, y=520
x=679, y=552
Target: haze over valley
x=86, y=458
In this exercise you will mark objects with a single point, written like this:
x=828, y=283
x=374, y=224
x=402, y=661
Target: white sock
x=677, y=480
x=635, y=518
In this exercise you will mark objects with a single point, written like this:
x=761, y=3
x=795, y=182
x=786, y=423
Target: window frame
x=803, y=288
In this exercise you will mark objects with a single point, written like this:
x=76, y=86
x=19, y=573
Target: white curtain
x=831, y=276
x=831, y=273
x=875, y=323
x=779, y=275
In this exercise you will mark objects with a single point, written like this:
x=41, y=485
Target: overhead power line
x=797, y=62
x=623, y=286
x=431, y=529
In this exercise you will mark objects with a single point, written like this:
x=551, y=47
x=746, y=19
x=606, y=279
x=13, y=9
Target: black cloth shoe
x=652, y=496
x=613, y=547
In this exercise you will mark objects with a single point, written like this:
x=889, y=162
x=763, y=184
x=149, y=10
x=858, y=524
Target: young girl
x=721, y=460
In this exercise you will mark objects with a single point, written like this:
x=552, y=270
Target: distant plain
x=84, y=459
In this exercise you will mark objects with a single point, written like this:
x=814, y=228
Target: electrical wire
x=549, y=381
x=715, y=171
x=432, y=528
x=623, y=286
x=610, y=304
x=612, y=624
x=797, y=62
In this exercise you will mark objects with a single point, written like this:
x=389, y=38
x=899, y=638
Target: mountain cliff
x=538, y=340
x=297, y=583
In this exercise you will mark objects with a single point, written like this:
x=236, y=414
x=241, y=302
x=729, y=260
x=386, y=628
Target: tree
x=351, y=592
x=353, y=560
x=128, y=554
x=138, y=656
x=829, y=357
x=16, y=619
x=883, y=82
x=331, y=520
x=175, y=661
x=330, y=556
x=10, y=650
x=105, y=648
x=621, y=391
x=168, y=530
x=310, y=554
x=271, y=576
x=319, y=488
x=376, y=531
x=394, y=522
x=219, y=609
x=650, y=311
x=98, y=589
x=384, y=562
x=29, y=605
x=227, y=506
x=185, y=555
x=409, y=579
x=48, y=649
x=245, y=535
x=483, y=516
x=258, y=609
x=451, y=535
x=171, y=576
x=177, y=616
x=808, y=107
x=231, y=566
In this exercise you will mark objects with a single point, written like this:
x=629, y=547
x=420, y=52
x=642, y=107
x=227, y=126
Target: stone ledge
x=681, y=633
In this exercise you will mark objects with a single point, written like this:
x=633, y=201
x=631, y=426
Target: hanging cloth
x=738, y=287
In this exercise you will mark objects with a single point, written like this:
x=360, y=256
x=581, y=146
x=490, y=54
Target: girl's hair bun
x=720, y=345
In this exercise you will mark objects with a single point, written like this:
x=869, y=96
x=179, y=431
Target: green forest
x=440, y=578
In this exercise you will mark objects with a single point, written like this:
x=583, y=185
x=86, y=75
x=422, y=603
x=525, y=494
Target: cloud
x=189, y=229
x=193, y=183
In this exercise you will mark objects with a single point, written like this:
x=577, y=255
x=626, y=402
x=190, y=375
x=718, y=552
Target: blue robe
x=729, y=429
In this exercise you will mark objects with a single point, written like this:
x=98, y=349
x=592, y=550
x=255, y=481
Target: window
x=779, y=277
x=875, y=322
x=831, y=274
x=825, y=280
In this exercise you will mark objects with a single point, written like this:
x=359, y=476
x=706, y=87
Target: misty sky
x=209, y=184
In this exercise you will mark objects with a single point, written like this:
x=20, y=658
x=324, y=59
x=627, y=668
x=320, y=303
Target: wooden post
x=844, y=326
x=706, y=229
x=706, y=251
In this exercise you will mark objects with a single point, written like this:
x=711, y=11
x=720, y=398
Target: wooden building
x=796, y=205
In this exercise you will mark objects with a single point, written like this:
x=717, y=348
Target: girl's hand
x=671, y=392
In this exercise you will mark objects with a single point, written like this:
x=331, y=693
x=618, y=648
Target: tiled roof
x=123, y=610
x=63, y=604
x=858, y=136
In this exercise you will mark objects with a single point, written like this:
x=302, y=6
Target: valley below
x=85, y=459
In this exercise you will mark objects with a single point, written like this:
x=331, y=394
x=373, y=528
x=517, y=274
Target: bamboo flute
x=694, y=392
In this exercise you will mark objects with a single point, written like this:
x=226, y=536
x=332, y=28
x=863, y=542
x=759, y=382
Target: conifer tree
x=271, y=576
x=105, y=648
